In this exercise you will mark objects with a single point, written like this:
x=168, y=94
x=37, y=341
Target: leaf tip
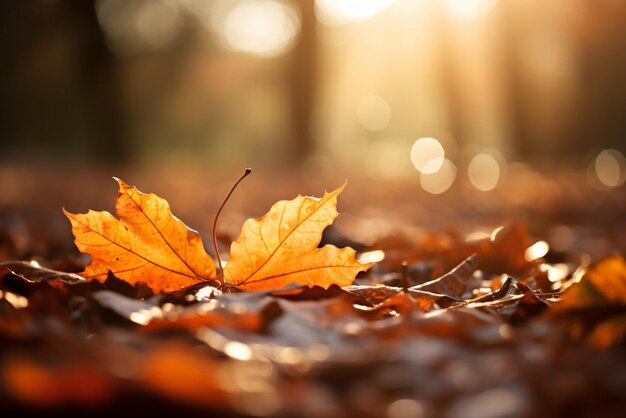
x=68, y=214
x=367, y=266
x=122, y=184
x=339, y=189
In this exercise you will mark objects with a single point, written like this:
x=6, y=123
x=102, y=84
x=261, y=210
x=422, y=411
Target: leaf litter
x=441, y=327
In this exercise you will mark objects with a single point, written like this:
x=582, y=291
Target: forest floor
x=509, y=303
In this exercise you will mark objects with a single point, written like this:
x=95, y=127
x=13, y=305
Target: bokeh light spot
x=259, y=27
x=427, y=155
x=609, y=167
x=441, y=180
x=375, y=256
x=135, y=26
x=484, y=172
x=237, y=350
x=537, y=250
x=405, y=408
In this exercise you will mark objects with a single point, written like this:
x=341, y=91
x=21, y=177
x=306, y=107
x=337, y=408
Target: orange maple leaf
x=147, y=244
x=281, y=248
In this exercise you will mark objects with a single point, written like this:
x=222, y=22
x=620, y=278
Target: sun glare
x=339, y=12
x=468, y=9
x=259, y=27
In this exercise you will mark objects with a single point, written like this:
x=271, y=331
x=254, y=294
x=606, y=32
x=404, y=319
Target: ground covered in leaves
x=494, y=322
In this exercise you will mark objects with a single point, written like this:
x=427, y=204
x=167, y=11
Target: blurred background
x=441, y=111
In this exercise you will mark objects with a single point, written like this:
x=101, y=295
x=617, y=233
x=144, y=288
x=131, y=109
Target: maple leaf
x=281, y=248
x=146, y=244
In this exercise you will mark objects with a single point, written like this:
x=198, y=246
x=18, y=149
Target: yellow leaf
x=146, y=244
x=281, y=248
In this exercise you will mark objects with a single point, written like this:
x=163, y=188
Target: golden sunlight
x=441, y=180
x=609, y=168
x=484, y=172
x=259, y=27
x=427, y=155
x=468, y=9
x=338, y=12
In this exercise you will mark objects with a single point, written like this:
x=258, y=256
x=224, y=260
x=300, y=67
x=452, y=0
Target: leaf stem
x=405, y=275
x=220, y=276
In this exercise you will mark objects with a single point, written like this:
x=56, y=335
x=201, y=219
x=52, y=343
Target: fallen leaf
x=594, y=308
x=513, y=301
x=383, y=296
x=401, y=303
x=147, y=244
x=454, y=283
x=281, y=248
x=135, y=310
x=604, y=283
x=373, y=295
x=35, y=272
x=240, y=311
x=500, y=253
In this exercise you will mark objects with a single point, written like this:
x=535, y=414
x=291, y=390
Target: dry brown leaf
x=32, y=271
x=454, y=283
x=281, y=248
x=146, y=244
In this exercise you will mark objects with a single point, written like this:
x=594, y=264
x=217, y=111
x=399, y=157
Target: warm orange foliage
x=42, y=386
x=603, y=283
x=178, y=373
x=147, y=244
x=597, y=303
x=281, y=248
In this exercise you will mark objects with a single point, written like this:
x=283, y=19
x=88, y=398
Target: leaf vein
x=130, y=250
x=322, y=203
x=195, y=273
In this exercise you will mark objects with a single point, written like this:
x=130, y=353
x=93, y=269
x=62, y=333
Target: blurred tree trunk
x=303, y=81
x=601, y=110
x=451, y=88
x=99, y=80
x=59, y=88
x=516, y=85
